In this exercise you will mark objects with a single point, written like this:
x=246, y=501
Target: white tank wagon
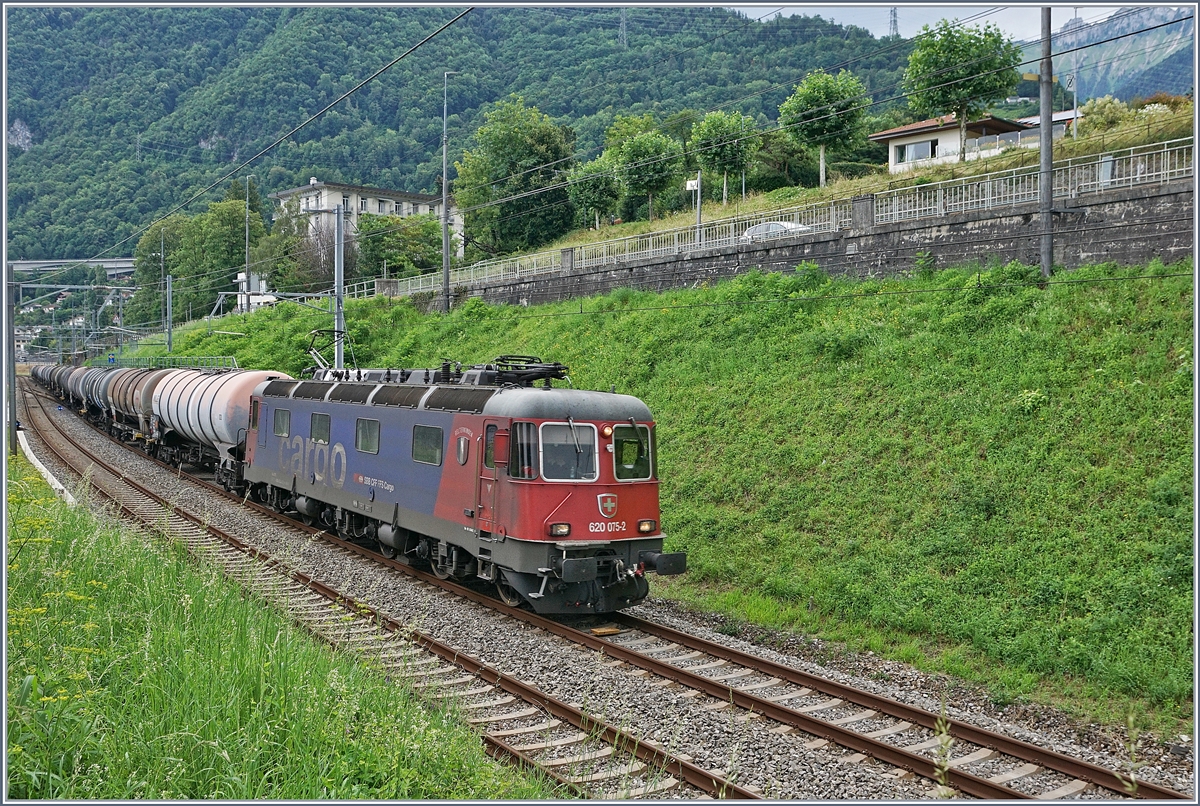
x=201, y=418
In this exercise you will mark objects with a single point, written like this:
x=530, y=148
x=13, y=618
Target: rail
x=1139, y=165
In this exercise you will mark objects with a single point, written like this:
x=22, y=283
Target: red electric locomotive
x=550, y=493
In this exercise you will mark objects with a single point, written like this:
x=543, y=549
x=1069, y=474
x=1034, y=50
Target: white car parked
x=773, y=229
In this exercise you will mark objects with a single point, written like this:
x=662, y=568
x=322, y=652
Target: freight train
x=490, y=472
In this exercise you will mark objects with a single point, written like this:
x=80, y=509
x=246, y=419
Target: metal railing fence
x=1159, y=163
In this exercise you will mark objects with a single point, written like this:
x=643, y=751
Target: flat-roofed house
x=935, y=141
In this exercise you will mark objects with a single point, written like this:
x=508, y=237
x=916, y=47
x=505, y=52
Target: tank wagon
x=492, y=472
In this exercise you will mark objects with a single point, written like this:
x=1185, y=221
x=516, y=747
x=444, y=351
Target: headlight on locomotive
x=560, y=529
x=647, y=526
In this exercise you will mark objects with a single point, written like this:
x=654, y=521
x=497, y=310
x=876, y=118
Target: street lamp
x=445, y=199
x=246, y=305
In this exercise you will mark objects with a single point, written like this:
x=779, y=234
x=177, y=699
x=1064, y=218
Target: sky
x=1020, y=22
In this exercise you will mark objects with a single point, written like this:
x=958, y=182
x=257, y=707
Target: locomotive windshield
x=631, y=452
x=569, y=452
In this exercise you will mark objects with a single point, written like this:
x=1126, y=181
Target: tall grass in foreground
x=134, y=674
x=958, y=469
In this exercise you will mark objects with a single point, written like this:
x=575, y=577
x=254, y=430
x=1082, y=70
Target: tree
x=408, y=246
x=236, y=191
x=649, y=163
x=627, y=127
x=725, y=141
x=210, y=255
x=960, y=70
x=513, y=177
x=825, y=109
x=594, y=187
x=153, y=259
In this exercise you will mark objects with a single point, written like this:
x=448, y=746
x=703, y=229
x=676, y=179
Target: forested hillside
x=118, y=113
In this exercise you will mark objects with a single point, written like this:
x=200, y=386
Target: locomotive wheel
x=508, y=594
x=387, y=551
x=438, y=572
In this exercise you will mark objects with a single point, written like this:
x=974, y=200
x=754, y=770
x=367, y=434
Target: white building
x=319, y=199
x=935, y=141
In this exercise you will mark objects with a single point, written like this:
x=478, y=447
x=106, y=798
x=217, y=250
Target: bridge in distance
x=113, y=266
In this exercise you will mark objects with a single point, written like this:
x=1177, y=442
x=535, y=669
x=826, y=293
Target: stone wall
x=1129, y=225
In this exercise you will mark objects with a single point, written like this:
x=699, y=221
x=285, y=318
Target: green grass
x=960, y=469
x=134, y=674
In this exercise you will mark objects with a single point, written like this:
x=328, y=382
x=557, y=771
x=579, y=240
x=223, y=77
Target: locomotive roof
x=506, y=401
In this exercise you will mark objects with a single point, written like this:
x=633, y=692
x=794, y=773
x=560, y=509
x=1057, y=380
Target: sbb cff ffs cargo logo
x=608, y=504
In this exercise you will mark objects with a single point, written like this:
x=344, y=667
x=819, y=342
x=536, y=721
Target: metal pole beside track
x=12, y=362
x=339, y=318
x=1046, y=147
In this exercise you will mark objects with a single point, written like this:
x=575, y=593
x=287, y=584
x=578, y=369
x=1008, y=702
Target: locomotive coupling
x=664, y=564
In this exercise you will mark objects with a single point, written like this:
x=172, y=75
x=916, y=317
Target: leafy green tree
x=626, y=127
x=275, y=256
x=513, y=177
x=649, y=163
x=407, y=246
x=210, y=255
x=153, y=258
x=725, y=141
x=825, y=109
x=236, y=191
x=780, y=162
x=594, y=186
x=1101, y=114
x=961, y=70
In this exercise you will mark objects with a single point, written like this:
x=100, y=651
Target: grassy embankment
x=959, y=470
x=134, y=674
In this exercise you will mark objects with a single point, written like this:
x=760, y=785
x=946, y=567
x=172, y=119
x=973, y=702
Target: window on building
x=911, y=152
x=345, y=201
x=366, y=436
x=319, y=428
x=382, y=207
x=283, y=422
x=427, y=444
x=362, y=205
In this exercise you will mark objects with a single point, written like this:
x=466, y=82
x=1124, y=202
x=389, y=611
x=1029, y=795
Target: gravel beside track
x=718, y=737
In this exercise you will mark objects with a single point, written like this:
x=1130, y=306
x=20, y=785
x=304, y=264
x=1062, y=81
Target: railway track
x=585, y=755
x=953, y=755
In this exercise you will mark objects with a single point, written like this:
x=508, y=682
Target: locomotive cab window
x=253, y=415
x=489, y=447
x=632, y=452
x=283, y=422
x=319, y=425
x=366, y=436
x=523, y=451
x=568, y=452
x=427, y=445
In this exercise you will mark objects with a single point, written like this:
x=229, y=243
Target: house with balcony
x=318, y=199
x=935, y=141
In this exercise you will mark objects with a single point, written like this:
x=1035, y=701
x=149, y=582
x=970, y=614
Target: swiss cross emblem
x=608, y=504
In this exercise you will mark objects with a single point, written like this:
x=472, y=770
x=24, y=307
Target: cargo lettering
x=302, y=457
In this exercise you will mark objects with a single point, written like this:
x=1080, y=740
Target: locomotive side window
x=569, y=452
x=253, y=415
x=427, y=445
x=631, y=452
x=523, y=451
x=283, y=422
x=489, y=447
x=366, y=436
x=319, y=425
